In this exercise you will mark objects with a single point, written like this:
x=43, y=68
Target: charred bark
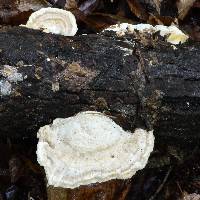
x=137, y=82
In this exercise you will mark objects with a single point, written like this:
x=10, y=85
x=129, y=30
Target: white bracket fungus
x=90, y=147
x=172, y=33
x=53, y=20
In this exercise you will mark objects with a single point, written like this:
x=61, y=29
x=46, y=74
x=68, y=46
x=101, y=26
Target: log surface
x=139, y=83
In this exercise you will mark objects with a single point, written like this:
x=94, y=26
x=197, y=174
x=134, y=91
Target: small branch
x=162, y=184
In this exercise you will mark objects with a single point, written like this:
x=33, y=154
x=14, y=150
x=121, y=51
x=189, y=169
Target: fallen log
x=109, y=190
x=140, y=83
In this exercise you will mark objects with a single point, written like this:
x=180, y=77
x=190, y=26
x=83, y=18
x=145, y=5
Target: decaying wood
x=138, y=82
x=110, y=190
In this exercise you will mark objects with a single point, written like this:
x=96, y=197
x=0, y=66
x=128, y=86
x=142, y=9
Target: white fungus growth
x=172, y=33
x=90, y=147
x=55, y=86
x=127, y=51
x=11, y=73
x=53, y=20
x=5, y=88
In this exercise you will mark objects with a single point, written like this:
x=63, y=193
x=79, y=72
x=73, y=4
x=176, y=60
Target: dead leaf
x=16, y=168
x=15, y=12
x=157, y=5
x=196, y=4
x=70, y=4
x=161, y=20
x=137, y=9
x=183, y=7
x=192, y=196
x=28, y=5
x=99, y=21
x=88, y=6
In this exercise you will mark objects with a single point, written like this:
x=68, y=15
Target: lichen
x=76, y=76
x=5, y=88
x=10, y=76
x=127, y=51
x=55, y=86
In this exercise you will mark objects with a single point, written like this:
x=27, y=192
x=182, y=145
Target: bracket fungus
x=172, y=33
x=53, y=20
x=91, y=148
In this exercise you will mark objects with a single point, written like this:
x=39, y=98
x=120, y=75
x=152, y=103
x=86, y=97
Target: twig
x=162, y=184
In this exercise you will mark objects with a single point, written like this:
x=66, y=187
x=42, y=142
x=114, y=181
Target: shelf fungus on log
x=142, y=82
x=172, y=33
x=91, y=148
x=53, y=20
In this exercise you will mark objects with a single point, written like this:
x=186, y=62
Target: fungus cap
x=53, y=20
x=90, y=147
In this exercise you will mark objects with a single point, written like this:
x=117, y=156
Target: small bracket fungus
x=172, y=33
x=53, y=20
x=90, y=147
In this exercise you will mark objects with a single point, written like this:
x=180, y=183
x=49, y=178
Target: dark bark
x=140, y=83
x=109, y=190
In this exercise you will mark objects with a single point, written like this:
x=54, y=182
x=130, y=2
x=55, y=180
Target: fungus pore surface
x=90, y=147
